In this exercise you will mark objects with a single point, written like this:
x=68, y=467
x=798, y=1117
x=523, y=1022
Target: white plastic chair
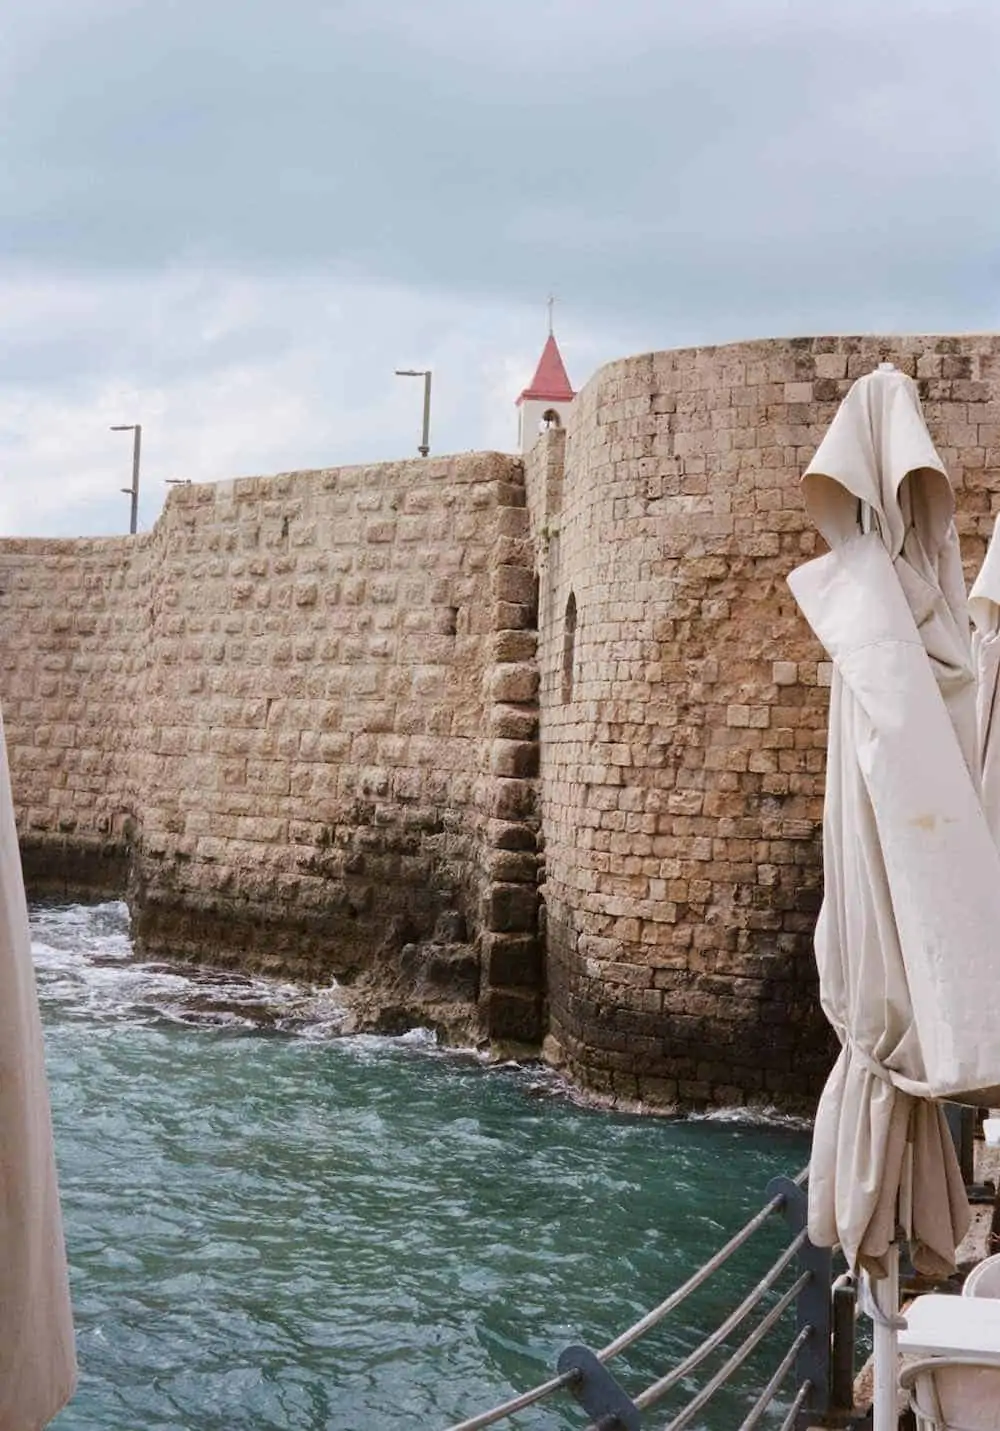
x=984, y=1279
x=953, y=1393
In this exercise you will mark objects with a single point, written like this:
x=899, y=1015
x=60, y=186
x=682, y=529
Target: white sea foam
x=86, y=967
x=85, y=964
x=753, y=1115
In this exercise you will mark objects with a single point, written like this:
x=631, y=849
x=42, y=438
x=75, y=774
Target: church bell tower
x=546, y=400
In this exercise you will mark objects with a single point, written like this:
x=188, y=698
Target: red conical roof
x=550, y=383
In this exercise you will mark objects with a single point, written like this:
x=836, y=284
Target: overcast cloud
x=232, y=219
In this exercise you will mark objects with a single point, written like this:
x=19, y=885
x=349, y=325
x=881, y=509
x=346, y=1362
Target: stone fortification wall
x=312, y=719
x=683, y=703
x=71, y=623
x=303, y=713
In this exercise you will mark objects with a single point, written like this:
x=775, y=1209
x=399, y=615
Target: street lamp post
x=425, y=373
x=133, y=491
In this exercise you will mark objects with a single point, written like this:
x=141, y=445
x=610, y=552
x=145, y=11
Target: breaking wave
x=85, y=966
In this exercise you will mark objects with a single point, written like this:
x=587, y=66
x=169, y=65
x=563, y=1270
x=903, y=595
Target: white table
x=943, y=1326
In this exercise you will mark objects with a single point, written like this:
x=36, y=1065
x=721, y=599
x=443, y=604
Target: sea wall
x=683, y=703
x=520, y=749
x=302, y=714
x=70, y=625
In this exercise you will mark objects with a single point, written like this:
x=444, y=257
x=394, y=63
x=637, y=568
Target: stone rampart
x=303, y=713
x=683, y=703
x=321, y=720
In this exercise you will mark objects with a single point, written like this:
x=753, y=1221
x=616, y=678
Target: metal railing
x=820, y=1354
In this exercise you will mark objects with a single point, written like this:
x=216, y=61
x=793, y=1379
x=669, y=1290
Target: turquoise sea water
x=273, y=1227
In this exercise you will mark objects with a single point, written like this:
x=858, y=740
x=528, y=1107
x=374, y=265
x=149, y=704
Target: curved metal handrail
x=739, y=1356
x=796, y=1407
x=516, y=1403
x=752, y=1419
x=652, y=1318
x=693, y=1283
x=659, y=1389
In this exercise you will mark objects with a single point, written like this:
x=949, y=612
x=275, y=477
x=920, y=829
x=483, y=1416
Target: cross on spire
x=550, y=305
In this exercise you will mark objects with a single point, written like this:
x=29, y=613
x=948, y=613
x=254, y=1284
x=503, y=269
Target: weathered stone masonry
x=683, y=703
x=302, y=712
x=348, y=721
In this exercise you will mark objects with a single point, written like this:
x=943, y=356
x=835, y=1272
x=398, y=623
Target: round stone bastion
x=683, y=703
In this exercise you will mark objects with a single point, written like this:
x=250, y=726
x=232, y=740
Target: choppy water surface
x=271, y=1226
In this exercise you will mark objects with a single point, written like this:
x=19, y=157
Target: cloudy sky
x=230, y=220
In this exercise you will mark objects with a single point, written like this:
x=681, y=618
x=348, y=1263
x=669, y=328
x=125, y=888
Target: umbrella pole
x=885, y=1345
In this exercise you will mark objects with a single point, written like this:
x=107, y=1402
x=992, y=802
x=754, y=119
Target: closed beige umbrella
x=984, y=608
x=37, y=1357
x=906, y=941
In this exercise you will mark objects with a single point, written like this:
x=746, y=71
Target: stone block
x=513, y=584
x=510, y=494
x=507, y=800
x=513, y=522
x=514, y=722
x=506, y=646
x=831, y=365
x=510, y=909
x=510, y=835
x=513, y=866
x=516, y=683
x=512, y=961
x=799, y=392
x=517, y=758
x=512, y=1016
x=513, y=616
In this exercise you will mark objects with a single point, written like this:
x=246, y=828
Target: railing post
x=962, y=1127
x=842, y=1349
x=608, y=1406
x=812, y=1307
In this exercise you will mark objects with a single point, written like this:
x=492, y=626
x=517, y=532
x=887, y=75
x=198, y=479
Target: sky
x=231, y=220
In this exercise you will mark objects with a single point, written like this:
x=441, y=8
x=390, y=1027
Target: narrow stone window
x=569, y=648
x=550, y=418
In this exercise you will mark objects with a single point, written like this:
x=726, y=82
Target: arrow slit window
x=569, y=648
